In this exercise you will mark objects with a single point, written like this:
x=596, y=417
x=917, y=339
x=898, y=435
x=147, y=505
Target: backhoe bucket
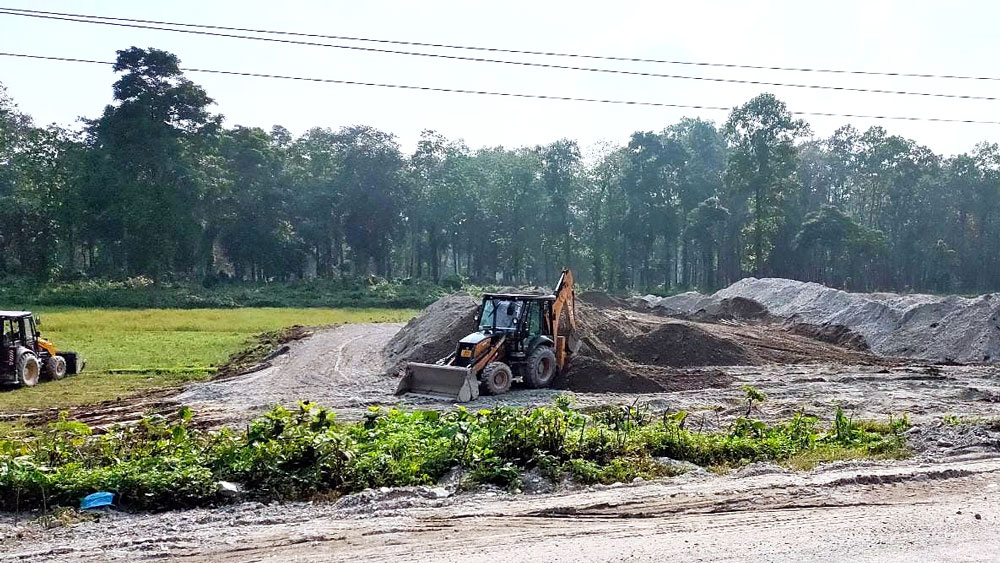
x=449, y=383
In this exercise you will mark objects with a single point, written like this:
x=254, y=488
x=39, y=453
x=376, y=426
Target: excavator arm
x=564, y=335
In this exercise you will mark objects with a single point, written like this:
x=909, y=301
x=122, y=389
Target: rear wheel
x=28, y=369
x=497, y=378
x=55, y=368
x=540, y=368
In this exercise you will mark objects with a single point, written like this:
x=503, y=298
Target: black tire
x=496, y=378
x=540, y=368
x=55, y=368
x=28, y=369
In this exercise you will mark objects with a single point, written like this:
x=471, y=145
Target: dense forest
x=158, y=187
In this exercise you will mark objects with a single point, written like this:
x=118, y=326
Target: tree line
x=157, y=186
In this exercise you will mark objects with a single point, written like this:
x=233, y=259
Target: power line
x=4, y=11
x=514, y=51
x=507, y=94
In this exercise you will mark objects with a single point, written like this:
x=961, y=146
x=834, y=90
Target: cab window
x=500, y=313
x=534, y=318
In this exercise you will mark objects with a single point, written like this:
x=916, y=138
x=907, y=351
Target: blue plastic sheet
x=97, y=500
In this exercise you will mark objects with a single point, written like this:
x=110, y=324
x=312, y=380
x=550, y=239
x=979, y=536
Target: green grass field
x=159, y=347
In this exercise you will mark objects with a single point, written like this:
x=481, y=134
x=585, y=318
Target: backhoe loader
x=26, y=357
x=526, y=337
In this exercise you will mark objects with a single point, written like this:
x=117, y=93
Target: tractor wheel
x=540, y=368
x=28, y=369
x=497, y=378
x=55, y=368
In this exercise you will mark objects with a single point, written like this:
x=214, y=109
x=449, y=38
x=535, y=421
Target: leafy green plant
x=298, y=453
x=753, y=395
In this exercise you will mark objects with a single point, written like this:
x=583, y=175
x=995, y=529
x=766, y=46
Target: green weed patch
x=286, y=455
x=141, y=293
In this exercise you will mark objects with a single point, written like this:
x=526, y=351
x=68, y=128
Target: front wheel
x=55, y=368
x=540, y=368
x=28, y=369
x=497, y=378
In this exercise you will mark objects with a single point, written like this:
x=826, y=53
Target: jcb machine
x=26, y=357
x=530, y=337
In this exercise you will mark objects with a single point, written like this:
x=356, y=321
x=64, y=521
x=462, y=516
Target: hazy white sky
x=905, y=36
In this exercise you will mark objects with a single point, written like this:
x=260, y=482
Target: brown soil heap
x=625, y=351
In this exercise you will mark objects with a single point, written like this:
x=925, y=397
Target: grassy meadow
x=158, y=348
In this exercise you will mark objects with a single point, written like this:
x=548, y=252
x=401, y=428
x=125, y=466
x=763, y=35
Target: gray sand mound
x=433, y=334
x=926, y=327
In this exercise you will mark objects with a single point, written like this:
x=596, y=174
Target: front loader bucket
x=450, y=383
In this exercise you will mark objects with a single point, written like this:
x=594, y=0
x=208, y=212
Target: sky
x=915, y=36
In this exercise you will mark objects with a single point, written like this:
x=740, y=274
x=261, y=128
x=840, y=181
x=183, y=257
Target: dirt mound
x=695, y=306
x=600, y=299
x=433, y=334
x=625, y=351
x=680, y=344
x=924, y=327
x=616, y=334
x=833, y=333
x=592, y=375
x=738, y=308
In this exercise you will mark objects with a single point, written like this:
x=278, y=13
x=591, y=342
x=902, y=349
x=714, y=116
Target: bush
x=140, y=292
x=294, y=454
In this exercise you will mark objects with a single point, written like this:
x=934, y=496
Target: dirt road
x=337, y=367
x=342, y=368
x=948, y=511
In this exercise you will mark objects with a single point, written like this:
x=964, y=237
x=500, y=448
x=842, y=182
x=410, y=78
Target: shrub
x=296, y=453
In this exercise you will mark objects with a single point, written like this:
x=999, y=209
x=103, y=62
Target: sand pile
x=926, y=327
x=696, y=306
x=625, y=351
x=620, y=334
x=433, y=334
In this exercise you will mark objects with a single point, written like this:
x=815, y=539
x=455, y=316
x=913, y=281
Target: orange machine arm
x=565, y=301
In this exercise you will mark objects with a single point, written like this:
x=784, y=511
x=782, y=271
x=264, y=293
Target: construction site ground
x=945, y=511
x=940, y=504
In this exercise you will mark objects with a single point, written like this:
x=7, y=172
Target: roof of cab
x=520, y=296
x=17, y=314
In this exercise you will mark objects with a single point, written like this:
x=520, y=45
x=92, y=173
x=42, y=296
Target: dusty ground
x=949, y=511
x=337, y=367
x=342, y=368
x=921, y=509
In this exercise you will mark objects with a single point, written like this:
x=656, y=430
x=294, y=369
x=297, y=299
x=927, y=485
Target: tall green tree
x=141, y=192
x=761, y=170
x=370, y=177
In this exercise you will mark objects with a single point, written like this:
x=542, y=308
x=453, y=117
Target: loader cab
x=18, y=330
x=523, y=318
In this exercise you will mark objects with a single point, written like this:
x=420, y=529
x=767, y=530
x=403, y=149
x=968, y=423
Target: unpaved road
x=337, y=367
x=341, y=368
x=948, y=511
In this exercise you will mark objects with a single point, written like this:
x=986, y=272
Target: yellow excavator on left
x=26, y=357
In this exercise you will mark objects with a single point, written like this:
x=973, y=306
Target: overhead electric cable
x=504, y=94
x=515, y=51
x=4, y=11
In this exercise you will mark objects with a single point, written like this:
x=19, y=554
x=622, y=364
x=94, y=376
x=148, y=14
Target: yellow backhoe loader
x=527, y=337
